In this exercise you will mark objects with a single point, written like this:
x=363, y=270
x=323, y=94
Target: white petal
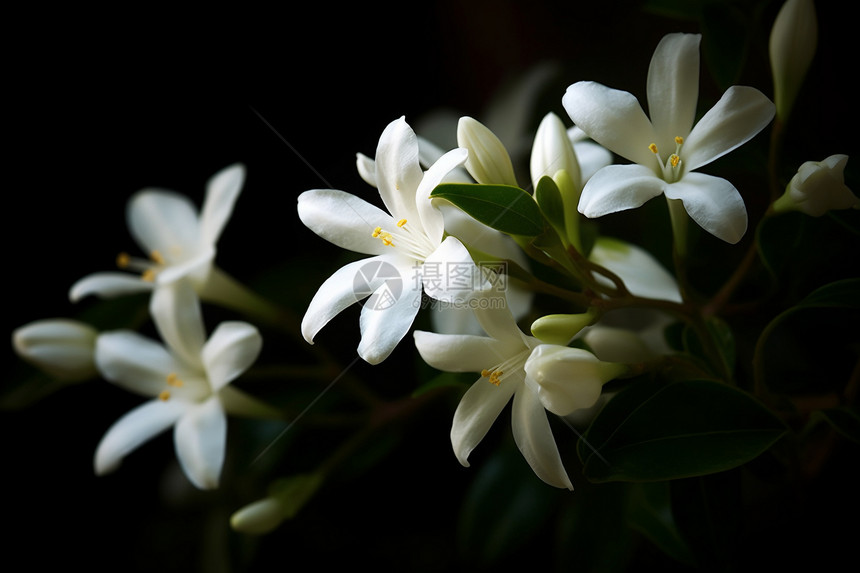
x=344, y=219
x=176, y=312
x=383, y=326
x=673, y=88
x=134, y=362
x=592, y=158
x=196, y=269
x=740, y=114
x=431, y=218
x=166, y=222
x=108, y=285
x=612, y=118
x=488, y=160
x=222, y=190
x=232, y=349
x=478, y=409
x=449, y=273
x=553, y=150
x=534, y=438
x=460, y=352
x=642, y=274
x=133, y=429
x=366, y=168
x=200, y=439
x=617, y=188
x=398, y=172
x=713, y=203
x=566, y=379
x=63, y=348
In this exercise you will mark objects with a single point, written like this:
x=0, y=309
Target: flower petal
x=108, y=285
x=344, y=219
x=166, y=222
x=460, y=352
x=713, y=203
x=431, y=218
x=222, y=190
x=133, y=429
x=200, y=439
x=534, y=438
x=366, y=168
x=61, y=347
x=612, y=118
x=449, y=274
x=740, y=114
x=134, y=362
x=477, y=411
x=617, y=188
x=398, y=172
x=383, y=326
x=673, y=87
x=643, y=275
x=232, y=349
x=175, y=309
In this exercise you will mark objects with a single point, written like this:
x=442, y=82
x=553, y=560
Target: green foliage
x=503, y=207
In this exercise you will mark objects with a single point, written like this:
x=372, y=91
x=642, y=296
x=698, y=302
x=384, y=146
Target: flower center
x=173, y=381
x=412, y=242
x=495, y=374
x=148, y=268
x=671, y=167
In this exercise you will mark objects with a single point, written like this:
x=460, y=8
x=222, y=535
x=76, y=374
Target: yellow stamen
x=494, y=376
x=674, y=160
x=122, y=260
x=386, y=240
x=653, y=148
x=164, y=396
x=173, y=380
x=156, y=257
x=148, y=275
x=376, y=232
x=401, y=222
x=679, y=140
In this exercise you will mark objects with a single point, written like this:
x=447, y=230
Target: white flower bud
x=488, y=161
x=818, y=187
x=553, y=151
x=793, y=40
x=259, y=517
x=62, y=348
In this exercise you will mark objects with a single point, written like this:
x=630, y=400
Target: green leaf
x=655, y=431
x=549, y=200
x=503, y=207
x=843, y=420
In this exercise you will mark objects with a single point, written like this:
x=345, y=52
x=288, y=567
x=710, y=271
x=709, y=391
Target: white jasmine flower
x=667, y=148
x=818, y=187
x=500, y=357
x=409, y=247
x=188, y=381
x=178, y=241
x=60, y=347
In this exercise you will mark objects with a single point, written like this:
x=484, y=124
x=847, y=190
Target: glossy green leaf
x=655, y=430
x=549, y=200
x=503, y=207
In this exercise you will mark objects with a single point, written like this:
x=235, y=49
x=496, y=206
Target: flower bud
x=488, y=161
x=818, y=187
x=567, y=379
x=259, y=517
x=62, y=348
x=561, y=328
x=552, y=152
x=793, y=40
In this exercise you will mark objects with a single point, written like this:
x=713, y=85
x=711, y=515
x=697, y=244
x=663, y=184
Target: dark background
x=105, y=103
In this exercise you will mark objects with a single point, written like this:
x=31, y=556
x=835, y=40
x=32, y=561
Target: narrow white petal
x=449, y=274
x=108, y=285
x=164, y=221
x=617, y=188
x=383, y=326
x=176, y=312
x=196, y=268
x=431, y=218
x=222, y=190
x=592, y=158
x=344, y=219
x=366, y=168
x=612, y=118
x=398, y=171
x=740, y=114
x=200, y=439
x=460, y=352
x=134, y=362
x=534, y=438
x=232, y=349
x=478, y=409
x=133, y=429
x=713, y=203
x=673, y=88
x=643, y=275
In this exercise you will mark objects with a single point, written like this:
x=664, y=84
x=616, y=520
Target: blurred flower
x=188, y=380
x=818, y=187
x=62, y=348
x=409, y=246
x=667, y=148
x=500, y=357
x=793, y=40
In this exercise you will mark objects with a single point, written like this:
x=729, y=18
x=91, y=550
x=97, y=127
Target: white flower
x=188, y=381
x=63, y=348
x=667, y=148
x=500, y=357
x=488, y=160
x=409, y=247
x=818, y=187
x=791, y=47
x=178, y=241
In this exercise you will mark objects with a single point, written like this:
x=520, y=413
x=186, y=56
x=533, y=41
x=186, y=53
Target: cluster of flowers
x=434, y=247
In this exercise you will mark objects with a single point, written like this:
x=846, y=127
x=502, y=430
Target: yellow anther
x=156, y=257
x=386, y=240
x=376, y=232
x=674, y=160
x=653, y=148
x=173, y=380
x=486, y=372
x=679, y=140
x=122, y=260
x=401, y=222
x=148, y=275
x=164, y=396
x=495, y=378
